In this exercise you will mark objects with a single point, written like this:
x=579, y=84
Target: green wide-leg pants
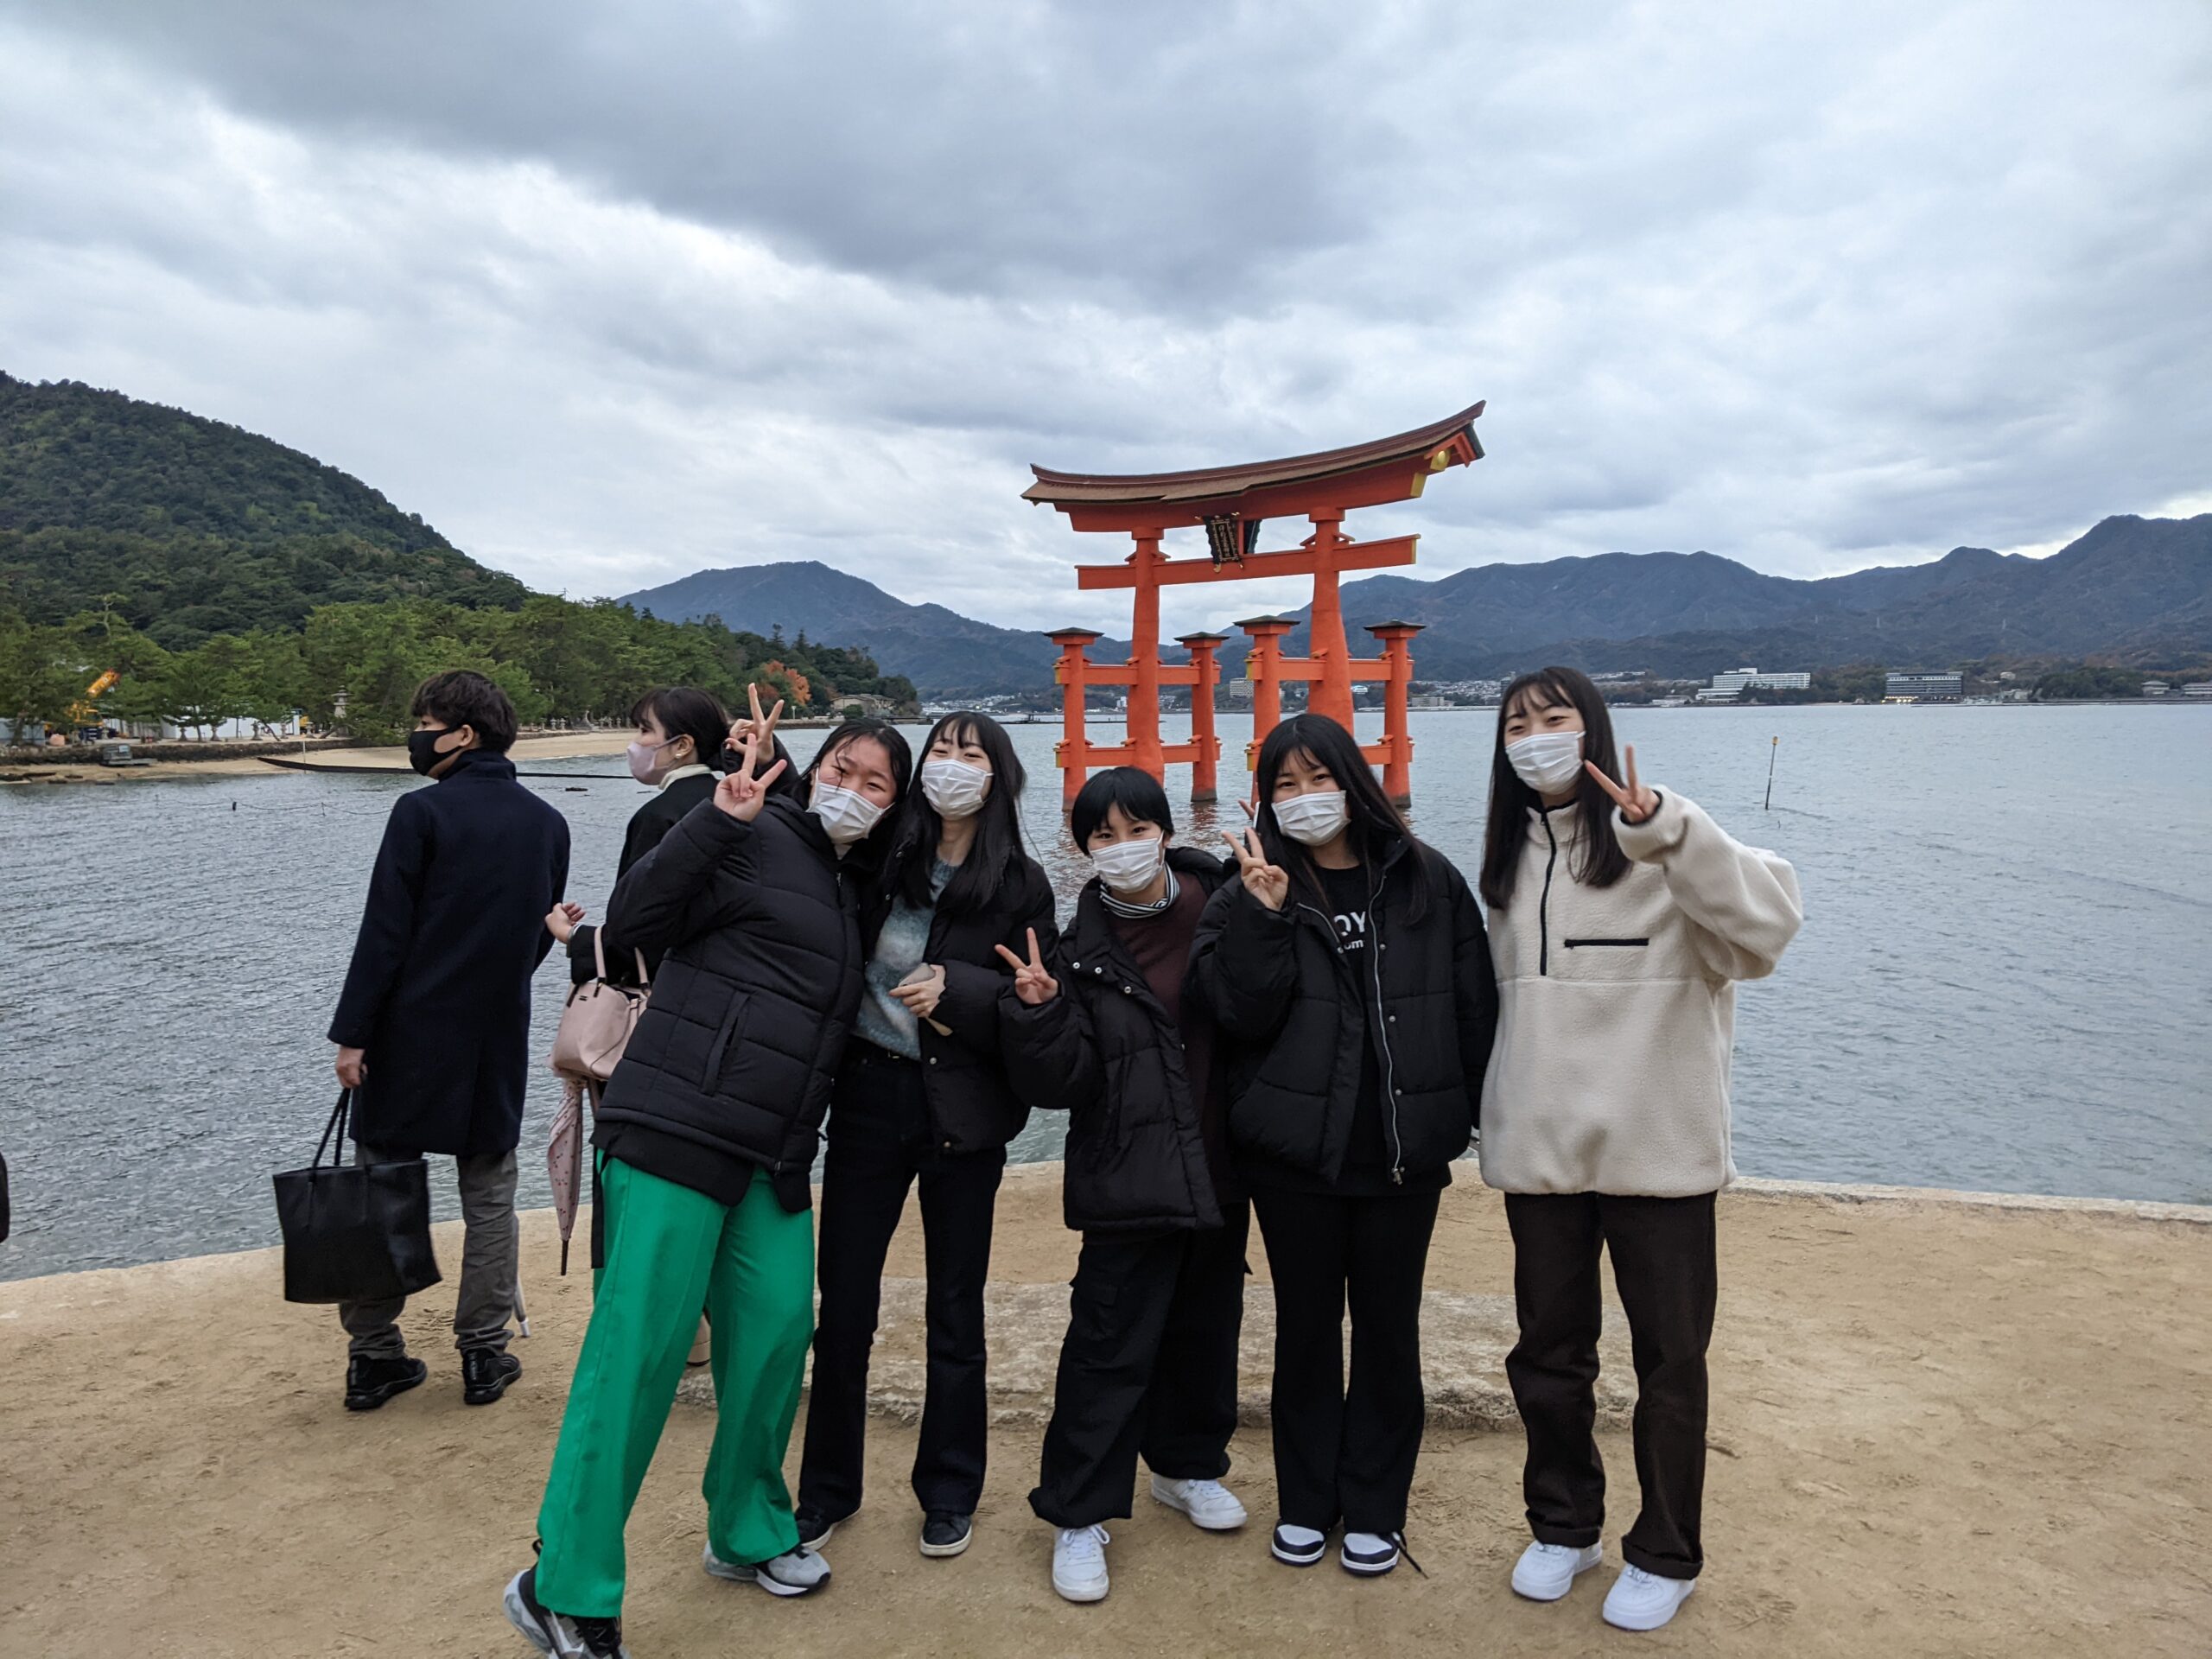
x=670, y=1251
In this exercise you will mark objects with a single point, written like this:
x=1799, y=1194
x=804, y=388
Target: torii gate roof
x=1360, y=474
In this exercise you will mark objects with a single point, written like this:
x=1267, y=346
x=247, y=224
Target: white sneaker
x=1643, y=1601
x=1079, y=1563
x=1208, y=1502
x=1546, y=1572
x=793, y=1573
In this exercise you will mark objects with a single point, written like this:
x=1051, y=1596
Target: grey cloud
x=609, y=303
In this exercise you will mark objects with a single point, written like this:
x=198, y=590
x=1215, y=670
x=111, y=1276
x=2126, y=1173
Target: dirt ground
x=1936, y=1430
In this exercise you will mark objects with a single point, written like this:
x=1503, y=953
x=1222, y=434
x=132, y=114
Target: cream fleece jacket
x=1617, y=1006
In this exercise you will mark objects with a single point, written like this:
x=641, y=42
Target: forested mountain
x=156, y=565
x=197, y=527
x=941, y=650
x=2134, y=590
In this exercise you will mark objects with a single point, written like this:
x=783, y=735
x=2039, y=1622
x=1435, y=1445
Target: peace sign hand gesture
x=1031, y=983
x=1266, y=883
x=739, y=793
x=761, y=727
x=1638, y=801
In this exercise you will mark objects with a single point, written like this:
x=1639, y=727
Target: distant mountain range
x=2135, y=591
x=189, y=527
x=942, y=651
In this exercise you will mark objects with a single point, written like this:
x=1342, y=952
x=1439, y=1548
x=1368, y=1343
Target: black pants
x=880, y=1144
x=1665, y=1269
x=1346, y=1453
x=1149, y=1366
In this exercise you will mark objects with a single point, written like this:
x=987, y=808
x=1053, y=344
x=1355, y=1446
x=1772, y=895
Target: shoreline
x=1942, y=1424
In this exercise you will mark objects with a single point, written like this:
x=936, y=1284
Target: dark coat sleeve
x=1244, y=963
x=970, y=1006
x=682, y=888
x=558, y=869
x=1051, y=1059
x=387, y=924
x=1474, y=983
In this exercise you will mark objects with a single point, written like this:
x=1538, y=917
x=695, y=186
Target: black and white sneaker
x=1371, y=1554
x=797, y=1571
x=556, y=1633
x=371, y=1381
x=945, y=1534
x=1298, y=1546
x=485, y=1374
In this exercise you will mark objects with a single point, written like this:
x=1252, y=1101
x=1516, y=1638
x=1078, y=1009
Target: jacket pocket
x=1580, y=944
x=725, y=1034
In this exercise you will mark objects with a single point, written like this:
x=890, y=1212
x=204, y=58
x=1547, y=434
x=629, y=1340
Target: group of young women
x=1309, y=1032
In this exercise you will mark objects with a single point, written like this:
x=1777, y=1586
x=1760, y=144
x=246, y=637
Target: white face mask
x=1129, y=866
x=1547, y=762
x=956, y=789
x=846, y=815
x=1314, y=819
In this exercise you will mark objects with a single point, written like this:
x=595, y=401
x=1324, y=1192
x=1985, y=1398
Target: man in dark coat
x=433, y=1026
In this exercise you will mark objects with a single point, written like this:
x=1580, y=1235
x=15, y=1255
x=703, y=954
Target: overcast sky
x=609, y=293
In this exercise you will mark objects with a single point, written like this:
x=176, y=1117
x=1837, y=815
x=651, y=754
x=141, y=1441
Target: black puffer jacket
x=1108, y=1054
x=973, y=1108
x=1289, y=1001
x=756, y=995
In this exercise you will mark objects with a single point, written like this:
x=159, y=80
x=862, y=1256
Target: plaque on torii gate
x=1231, y=503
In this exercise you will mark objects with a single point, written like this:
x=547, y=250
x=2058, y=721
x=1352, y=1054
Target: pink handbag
x=596, y=1024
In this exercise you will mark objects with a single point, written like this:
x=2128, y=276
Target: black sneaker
x=814, y=1526
x=371, y=1381
x=945, y=1533
x=1298, y=1546
x=556, y=1633
x=485, y=1374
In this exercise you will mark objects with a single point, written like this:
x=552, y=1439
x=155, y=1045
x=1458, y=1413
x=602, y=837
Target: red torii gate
x=1231, y=502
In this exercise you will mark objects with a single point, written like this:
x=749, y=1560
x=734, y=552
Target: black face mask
x=422, y=751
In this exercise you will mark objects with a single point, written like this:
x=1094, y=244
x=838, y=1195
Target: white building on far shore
x=1727, y=687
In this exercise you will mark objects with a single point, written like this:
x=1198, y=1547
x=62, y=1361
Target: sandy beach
x=548, y=745
x=1939, y=1427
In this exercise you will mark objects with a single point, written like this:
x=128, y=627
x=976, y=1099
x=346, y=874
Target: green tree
x=39, y=678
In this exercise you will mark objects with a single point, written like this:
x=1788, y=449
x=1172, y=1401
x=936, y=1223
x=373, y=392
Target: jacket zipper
x=1382, y=1031
x=1389, y=1060
x=1544, y=904
x=1577, y=944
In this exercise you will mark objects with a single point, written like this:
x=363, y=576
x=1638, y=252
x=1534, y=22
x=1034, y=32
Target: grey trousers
x=489, y=1267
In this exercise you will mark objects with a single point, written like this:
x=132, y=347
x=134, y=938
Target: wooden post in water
x=1771, y=753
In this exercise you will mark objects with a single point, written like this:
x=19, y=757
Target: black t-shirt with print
x=1367, y=1158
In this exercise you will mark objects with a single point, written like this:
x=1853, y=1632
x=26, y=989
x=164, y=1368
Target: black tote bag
x=354, y=1233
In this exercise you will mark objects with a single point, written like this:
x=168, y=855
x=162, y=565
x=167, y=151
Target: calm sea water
x=2004, y=980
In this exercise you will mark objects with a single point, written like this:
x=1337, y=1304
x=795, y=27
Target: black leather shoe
x=370, y=1383
x=945, y=1534
x=485, y=1374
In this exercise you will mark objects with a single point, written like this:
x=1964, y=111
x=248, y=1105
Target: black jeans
x=1149, y=1366
x=880, y=1144
x=1665, y=1269
x=1346, y=1453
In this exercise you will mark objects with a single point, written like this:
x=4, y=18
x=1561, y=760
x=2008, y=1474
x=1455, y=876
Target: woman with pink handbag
x=682, y=731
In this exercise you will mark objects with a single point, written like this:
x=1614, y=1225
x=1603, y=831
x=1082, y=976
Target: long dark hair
x=1375, y=825
x=996, y=853
x=686, y=711
x=868, y=728
x=1599, y=863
